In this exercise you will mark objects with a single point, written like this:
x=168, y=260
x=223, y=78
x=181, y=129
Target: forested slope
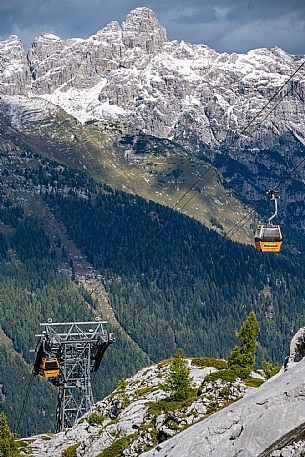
x=185, y=288
x=33, y=290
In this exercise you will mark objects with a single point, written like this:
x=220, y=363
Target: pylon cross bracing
x=79, y=348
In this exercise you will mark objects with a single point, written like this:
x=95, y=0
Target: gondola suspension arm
x=272, y=194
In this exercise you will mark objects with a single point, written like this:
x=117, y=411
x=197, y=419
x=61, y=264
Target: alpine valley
x=126, y=160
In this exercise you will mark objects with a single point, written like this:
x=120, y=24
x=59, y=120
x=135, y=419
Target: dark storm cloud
x=226, y=25
x=240, y=25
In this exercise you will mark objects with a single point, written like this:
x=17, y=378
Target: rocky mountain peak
x=11, y=39
x=14, y=72
x=113, y=26
x=12, y=47
x=46, y=37
x=111, y=34
x=142, y=29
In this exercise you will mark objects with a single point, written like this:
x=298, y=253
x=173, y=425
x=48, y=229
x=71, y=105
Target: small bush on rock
x=71, y=451
x=122, y=384
x=253, y=382
x=209, y=362
x=95, y=419
x=270, y=369
x=116, y=449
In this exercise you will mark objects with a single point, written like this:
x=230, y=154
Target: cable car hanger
x=273, y=195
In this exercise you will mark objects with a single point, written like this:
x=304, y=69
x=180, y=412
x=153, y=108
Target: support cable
x=24, y=404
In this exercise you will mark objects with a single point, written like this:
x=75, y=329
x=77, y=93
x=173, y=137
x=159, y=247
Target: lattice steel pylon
x=79, y=348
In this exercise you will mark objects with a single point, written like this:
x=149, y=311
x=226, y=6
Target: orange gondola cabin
x=49, y=368
x=268, y=238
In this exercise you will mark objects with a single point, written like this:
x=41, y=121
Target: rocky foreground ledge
x=139, y=414
x=225, y=418
x=267, y=422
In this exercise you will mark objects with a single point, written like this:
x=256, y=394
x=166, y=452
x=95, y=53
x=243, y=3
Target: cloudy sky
x=225, y=25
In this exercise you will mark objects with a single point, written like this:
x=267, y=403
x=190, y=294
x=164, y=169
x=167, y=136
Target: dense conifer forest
x=186, y=288
x=33, y=290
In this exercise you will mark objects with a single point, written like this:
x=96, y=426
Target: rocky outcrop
x=135, y=413
x=264, y=423
x=297, y=349
x=14, y=69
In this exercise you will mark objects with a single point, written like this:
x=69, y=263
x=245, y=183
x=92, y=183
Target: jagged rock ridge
x=132, y=73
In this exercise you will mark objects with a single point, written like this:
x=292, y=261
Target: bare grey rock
x=132, y=416
x=297, y=349
x=141, y=29
x=259, y=425
x=14, y=69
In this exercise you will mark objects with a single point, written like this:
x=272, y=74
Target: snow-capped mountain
x=132, y=73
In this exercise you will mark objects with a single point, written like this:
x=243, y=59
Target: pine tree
x=179, y=381
x=8, y=446
x=242, y=356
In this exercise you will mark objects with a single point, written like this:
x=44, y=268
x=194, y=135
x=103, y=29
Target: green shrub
x=173, y=425
x=71, y=451
x=168, y=405
x=227, y=374
x=270, y=369
x=231, y=374
x=116, y=448
x=122, y=384
x=156, y=408
x=8, y=445
x=209, y=362
x=253, y=382
x=143, y=391
x=95, y=419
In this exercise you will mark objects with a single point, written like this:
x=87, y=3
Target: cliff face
x=133, y=73
x=15, y=75
x=268, y=422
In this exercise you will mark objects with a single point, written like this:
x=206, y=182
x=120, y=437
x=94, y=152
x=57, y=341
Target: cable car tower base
x=78, y=348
